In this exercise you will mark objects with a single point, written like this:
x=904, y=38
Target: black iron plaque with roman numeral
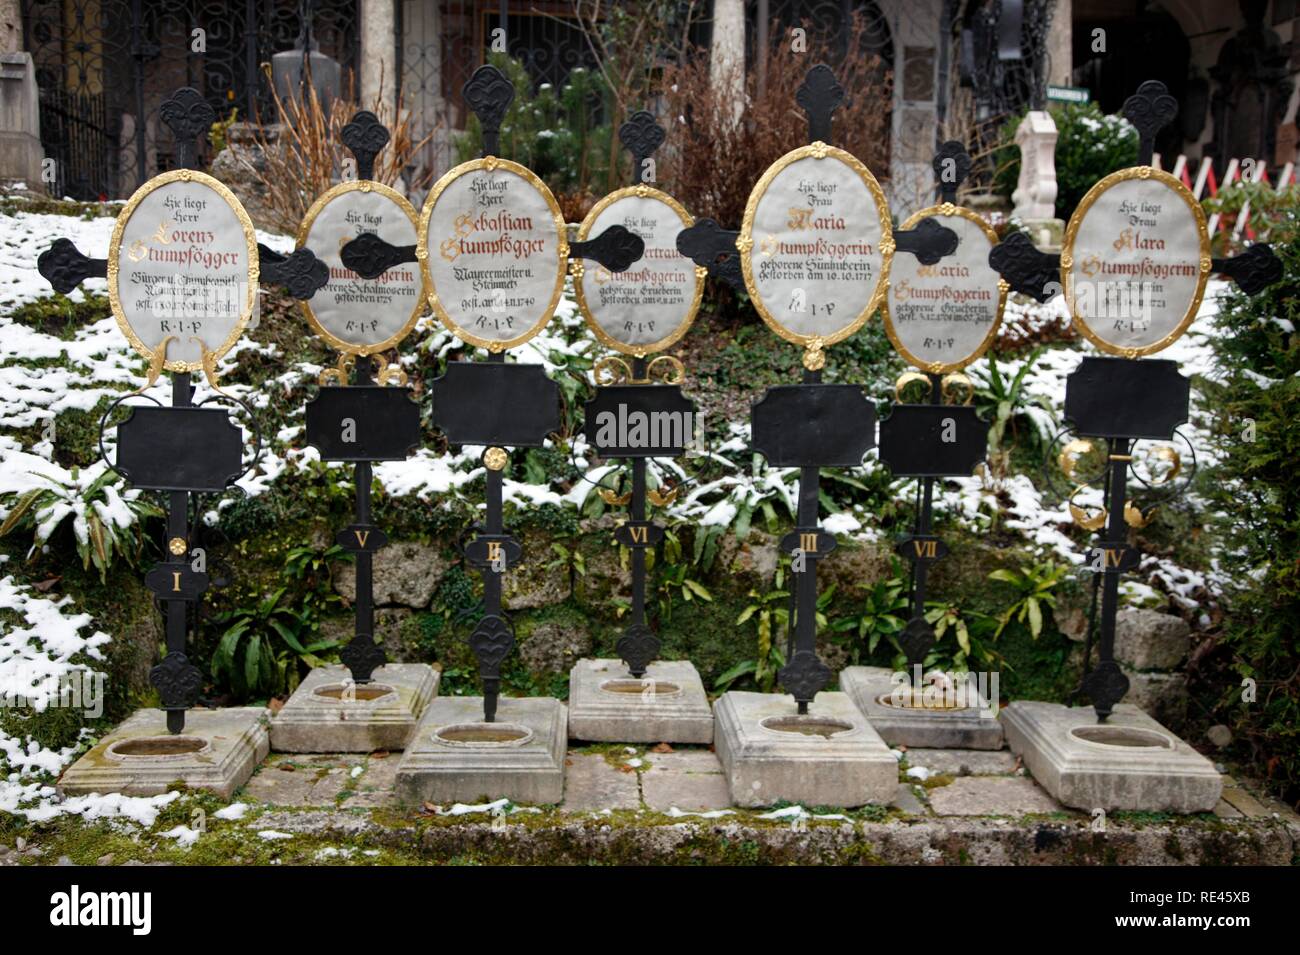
x=363, y=423
x=179, y=449
x=1126, y=398
x=496, y=403
x=639, y=421
x=932, y=440
x=825, y=426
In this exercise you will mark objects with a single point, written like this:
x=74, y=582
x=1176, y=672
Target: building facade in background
x=101, y=67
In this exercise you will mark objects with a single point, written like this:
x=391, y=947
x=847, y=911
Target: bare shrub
x=711, y=162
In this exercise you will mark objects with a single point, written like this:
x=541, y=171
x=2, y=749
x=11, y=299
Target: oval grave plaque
x=1135, y=261
x=815, y=245
x=362, y=316
x=491, y=239
x=183, y=265
x=652, y=305
x=942, y=317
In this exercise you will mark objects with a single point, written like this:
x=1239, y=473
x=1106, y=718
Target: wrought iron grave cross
x=482, y=210
x=200, y=292
x=1144, y=222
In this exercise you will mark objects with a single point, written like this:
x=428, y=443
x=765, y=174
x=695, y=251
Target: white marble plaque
x=817, y=259
x=182, y=263
x=941, y=317
x=1135, y=248
x=493, y=238
x=652, y=304
x=356, y=314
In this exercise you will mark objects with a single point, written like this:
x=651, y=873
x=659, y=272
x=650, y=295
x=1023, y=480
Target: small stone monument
x=1035, y=195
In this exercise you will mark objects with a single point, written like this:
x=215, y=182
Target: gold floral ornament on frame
x=491, y=244
x=183, y=270
x=816, y=245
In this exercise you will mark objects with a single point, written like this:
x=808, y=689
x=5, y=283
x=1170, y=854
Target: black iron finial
x=928, y=240
x=616, y=248
x=189, y=116
x=489, y=94
x=1026, y=269
x=65, y=268
x=1253, y=270
x=951, y=164
x=300, y=273
x=1150, y=110
x=641, y=136
x=819, y=95
x=365, y=136
x=709, y=245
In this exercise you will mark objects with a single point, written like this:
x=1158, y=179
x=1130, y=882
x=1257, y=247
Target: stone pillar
x=727, y=55
x=378, y=68
x=1060, y=40
x=21, y=155
x=1035, y=195
x=11, y=26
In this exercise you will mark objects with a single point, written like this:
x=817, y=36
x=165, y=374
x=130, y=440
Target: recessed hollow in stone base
x=830, y=757
x=328, y=715
x=217, y=751
x=969, y=724
x=456, y=757
x=1129, y=762
x=667, y=705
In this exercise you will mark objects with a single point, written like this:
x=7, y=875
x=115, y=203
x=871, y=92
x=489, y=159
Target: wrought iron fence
x=104, y=66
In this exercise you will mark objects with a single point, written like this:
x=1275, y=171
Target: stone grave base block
x=969, y=726
x=667, y=705
x=1129, y=762
x=217, y=751
x=321, y=717
x=456, y=757
x=765, y=764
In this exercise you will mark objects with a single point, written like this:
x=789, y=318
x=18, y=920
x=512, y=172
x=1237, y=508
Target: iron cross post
x=367, y=420
x=631, y=389
x=1124, y=399
x=810, y=425
x=495, y=404
x=183, y=449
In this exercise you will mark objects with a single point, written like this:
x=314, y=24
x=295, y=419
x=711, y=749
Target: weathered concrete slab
x=328, y=714
x=830, y=757
x=971, y=725
x=301, y=780
x=218, y=751
x=1129, y=762
x=455, y=757
x=592, y=784
x=991, y=796
x=691, y=780
x=963, y=762
x=667, y=705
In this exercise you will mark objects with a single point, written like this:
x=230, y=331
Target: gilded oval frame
x=1098, y=189
x=115, y=251
x=934, y=367
x=492, y=164
x=421, y=299
x=745, y=242
x=663, y=344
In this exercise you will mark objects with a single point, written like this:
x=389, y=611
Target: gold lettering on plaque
x=808, y=543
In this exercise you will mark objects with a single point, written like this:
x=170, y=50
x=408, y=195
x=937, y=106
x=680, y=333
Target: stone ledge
x=656, y=839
